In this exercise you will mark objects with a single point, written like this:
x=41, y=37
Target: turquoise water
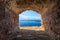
x=29, y=22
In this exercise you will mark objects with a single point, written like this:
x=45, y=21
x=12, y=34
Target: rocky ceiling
x=40, y=6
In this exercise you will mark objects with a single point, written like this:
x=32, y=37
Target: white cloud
x=29, y=17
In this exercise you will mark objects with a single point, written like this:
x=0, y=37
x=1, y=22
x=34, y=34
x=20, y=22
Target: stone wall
x=8, y=22
x=51, y=20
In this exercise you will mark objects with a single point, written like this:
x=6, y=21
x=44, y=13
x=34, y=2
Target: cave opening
x=30, y=18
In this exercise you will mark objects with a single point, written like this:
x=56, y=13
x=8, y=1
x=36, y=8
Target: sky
x=29, y=15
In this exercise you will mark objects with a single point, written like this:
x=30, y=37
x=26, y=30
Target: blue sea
x=29, y=22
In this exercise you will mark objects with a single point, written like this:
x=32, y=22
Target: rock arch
x=48, y=9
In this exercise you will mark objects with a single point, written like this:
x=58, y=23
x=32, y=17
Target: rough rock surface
x=10, y=9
